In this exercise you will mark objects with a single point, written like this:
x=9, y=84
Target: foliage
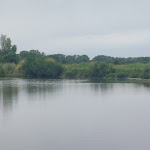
x=119, y=60
x=25, y=54
x=11, y=57
x=2, y=74
x=121, y=75
x=88, y=70
x=7, y=51
x=6, y=46
x=77, y=71
x=50, y=60
x=58, y=58
x=40, y=68
x=7, y=69
x=134, y=70
x=100, y=70
x=103, y=58
x=145, y=74
x=105, y=70
x=33, y=63
x=69, y=59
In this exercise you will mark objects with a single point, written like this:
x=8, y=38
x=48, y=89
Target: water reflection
x=104, y=88
x=74, y=114
x=14, y=90
x=41, y=89
x=8, y=95
x=107, y=84
x=41, y=86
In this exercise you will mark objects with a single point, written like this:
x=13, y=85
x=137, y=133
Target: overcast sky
x=92, y=27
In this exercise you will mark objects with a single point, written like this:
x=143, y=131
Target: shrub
x=39, y=67
x=145, y=74
x=121, y=75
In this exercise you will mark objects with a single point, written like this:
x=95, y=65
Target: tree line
x=35, y=64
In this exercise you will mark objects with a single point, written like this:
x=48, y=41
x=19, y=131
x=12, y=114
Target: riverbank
x=75, y=71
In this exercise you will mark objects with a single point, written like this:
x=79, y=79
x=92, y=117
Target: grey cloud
x=47, y=24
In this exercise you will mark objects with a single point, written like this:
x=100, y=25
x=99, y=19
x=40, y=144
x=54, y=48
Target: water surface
x=74, y=115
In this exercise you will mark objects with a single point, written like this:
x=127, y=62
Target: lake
x=43, y=114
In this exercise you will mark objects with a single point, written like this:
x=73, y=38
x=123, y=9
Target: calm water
x=74, y=115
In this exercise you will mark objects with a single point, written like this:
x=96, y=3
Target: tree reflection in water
x=8, y=95
x=14, y=90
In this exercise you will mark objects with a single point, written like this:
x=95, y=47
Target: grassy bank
x=76, y=71
x=138, y=70
x=97, y=70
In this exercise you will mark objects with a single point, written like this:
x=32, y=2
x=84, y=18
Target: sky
x=119, y=28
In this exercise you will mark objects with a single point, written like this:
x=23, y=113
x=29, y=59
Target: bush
x=145, y=74
x=111, y=76
x=121, y=75
x=2, y=73
x=11, y=57
x=100, y=70
x=40, y=68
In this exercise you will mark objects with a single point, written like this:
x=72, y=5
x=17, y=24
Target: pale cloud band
x=96, y=43
x=92, y=27
x=102, y=41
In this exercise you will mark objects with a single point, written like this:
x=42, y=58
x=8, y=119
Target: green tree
x=24, y=54
x=6, y=46
x=37, y=66
x=5, y=43
x=34, y=53
x=7, y=50
x=100, y=70
x=14, y=48
x=59, y=58
x=11, y=57
x=80, y=59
